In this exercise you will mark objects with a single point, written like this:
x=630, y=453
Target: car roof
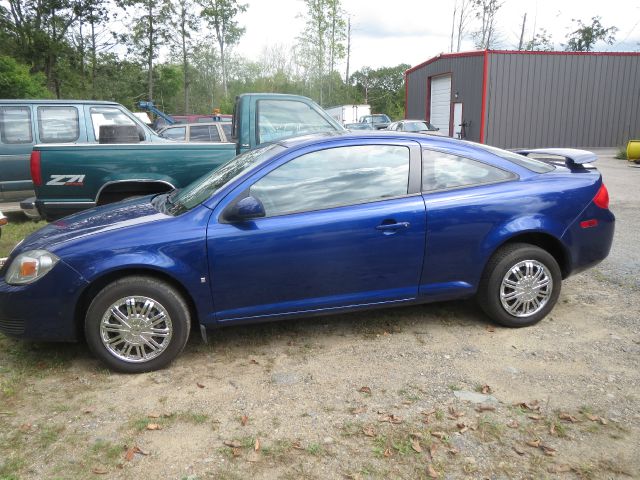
x=57, y=102
x=314, y=138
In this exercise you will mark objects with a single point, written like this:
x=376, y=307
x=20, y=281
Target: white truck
x=348, y=113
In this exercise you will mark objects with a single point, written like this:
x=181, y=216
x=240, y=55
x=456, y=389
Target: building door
x=457, y=120
x=440, y=110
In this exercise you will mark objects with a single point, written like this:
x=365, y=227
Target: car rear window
x=15, y=125
x=58, y=124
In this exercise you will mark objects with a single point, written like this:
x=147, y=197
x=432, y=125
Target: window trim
x=514, y=176
x=415, y=160
x=29, y=120
x=40, y=134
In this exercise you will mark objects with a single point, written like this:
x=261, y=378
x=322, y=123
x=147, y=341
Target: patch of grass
x=193, y=417
x=48, y=435
x=10, y=468
x=489, y=429
x=621, y=153
x=277, y=449
x=439, y=414
x=315, y=449
x=106, y=450
x=18, y=228
x=139, y=424
x=351, y=429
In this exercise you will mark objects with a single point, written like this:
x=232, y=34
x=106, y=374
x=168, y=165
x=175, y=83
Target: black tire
x=502, y=261
x=167, y=310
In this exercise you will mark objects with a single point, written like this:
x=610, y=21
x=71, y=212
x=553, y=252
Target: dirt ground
x=433, y=391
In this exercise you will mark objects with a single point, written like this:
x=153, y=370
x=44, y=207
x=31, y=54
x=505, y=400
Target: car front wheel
x=520, y=285
x=137, y=324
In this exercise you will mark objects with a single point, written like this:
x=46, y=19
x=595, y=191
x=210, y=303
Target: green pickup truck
x=72, y=177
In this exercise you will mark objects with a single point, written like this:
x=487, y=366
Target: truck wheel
x=137, y=324
x=520, y=285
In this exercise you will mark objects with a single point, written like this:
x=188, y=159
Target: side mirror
x=246, y=209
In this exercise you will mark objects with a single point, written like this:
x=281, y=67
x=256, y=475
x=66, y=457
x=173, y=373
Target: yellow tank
x=633, y=151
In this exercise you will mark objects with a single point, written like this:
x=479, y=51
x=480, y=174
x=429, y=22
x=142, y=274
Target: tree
x=462, y=11
x=17, y=82
x=486, y=11
x=221, y=16
x=540, y=41
x=383, y=88
x=149, y=28
x=184, y=22
x=584, y=38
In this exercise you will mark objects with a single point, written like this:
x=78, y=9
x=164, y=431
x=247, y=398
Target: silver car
x=416, y=126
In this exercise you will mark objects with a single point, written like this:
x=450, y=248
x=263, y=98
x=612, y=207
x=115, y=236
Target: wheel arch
x=97, y=284
x=545, y=241
x=112, y=190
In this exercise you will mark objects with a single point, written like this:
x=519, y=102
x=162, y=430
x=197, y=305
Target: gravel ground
x=433, y=391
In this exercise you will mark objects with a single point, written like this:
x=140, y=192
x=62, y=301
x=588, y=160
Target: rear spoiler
x=571, y=155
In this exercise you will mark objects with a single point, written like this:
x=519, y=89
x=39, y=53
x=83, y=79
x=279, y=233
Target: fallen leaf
x=130, y=453
x=431, y=471
x=486, y=389
x=415, y=444
x=534, y=417
x=432, y=450
x=416, y=435
x=387, y=452
x=153, y=426
x=244, y=420
x=366, y=390
x=89, y=410
x=567, y=417
x=513, y=423
x=518, y=450
x=25, y=427
x=429, y=412
x=200, y=385
x=153, y=415
x=454, y=414
x=490, y=328
x=549, y=451
x=358, y=410
x=369, y=431
x=253, y=362
x=236, y=451
x=385, y=333
x=593, y=418
x=559, y=468
x=462, y=427
x=439, y=435
x=453, y=451
x=391, y=418
x=533, y=443
x=297, y=445
x=485, y=408
x=552, y=429
x=232, y=443
x=99, y=470
x=534, y=405
x=603, y=421
x=256, y=445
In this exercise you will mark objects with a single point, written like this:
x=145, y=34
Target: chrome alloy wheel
x=526, y=288
x=136, y=329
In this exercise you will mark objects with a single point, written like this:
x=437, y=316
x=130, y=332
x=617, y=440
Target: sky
x=386, y=33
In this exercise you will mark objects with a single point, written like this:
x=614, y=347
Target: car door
x=16, y=142
x=344, y=228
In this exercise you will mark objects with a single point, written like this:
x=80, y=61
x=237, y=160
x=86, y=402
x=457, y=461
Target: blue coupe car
x=312, y=225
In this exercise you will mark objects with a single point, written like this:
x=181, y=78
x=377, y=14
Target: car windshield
x=381, y=118
x=418, y=127
x=180, y=201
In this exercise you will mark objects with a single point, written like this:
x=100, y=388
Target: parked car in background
x=25, y=123
x=344, y=114
x=198, y=132
x=359, y=126
x=415, y=126
x=312, y=225
x=379, y=121
x=3, y=222
x=160, y=122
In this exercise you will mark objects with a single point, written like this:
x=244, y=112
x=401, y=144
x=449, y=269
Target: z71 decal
x=67, y=180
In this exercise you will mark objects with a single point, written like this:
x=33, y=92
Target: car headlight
x=30, y=266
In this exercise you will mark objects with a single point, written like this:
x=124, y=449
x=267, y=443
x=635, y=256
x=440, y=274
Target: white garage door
x=441, y=102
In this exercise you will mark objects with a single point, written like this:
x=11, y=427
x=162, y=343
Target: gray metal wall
x=466, y=79
x=538, y=100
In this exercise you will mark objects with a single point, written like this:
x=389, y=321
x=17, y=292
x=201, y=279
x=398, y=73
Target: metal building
x=529, y=99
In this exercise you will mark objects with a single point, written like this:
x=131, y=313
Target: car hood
x=91, y=222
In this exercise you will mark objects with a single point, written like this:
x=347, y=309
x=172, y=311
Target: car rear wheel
x=520, y=285
x=137, y=324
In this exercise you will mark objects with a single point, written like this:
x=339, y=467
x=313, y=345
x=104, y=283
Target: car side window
x=108, y=116
x=286, y=118
x=441, y=171
x=214, y=133
x=226, y=128
x=200, y=134
x=58, y=124
x=335, y=177
x=15, y=125
x=178, y=133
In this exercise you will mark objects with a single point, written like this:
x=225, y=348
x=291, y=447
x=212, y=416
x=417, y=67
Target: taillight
x=36, y=173
x=602, y=197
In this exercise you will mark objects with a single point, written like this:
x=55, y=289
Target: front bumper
x=44, y=309
x=29, y=208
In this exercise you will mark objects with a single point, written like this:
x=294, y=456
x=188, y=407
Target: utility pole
x=346, y=76
x=524, y=22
